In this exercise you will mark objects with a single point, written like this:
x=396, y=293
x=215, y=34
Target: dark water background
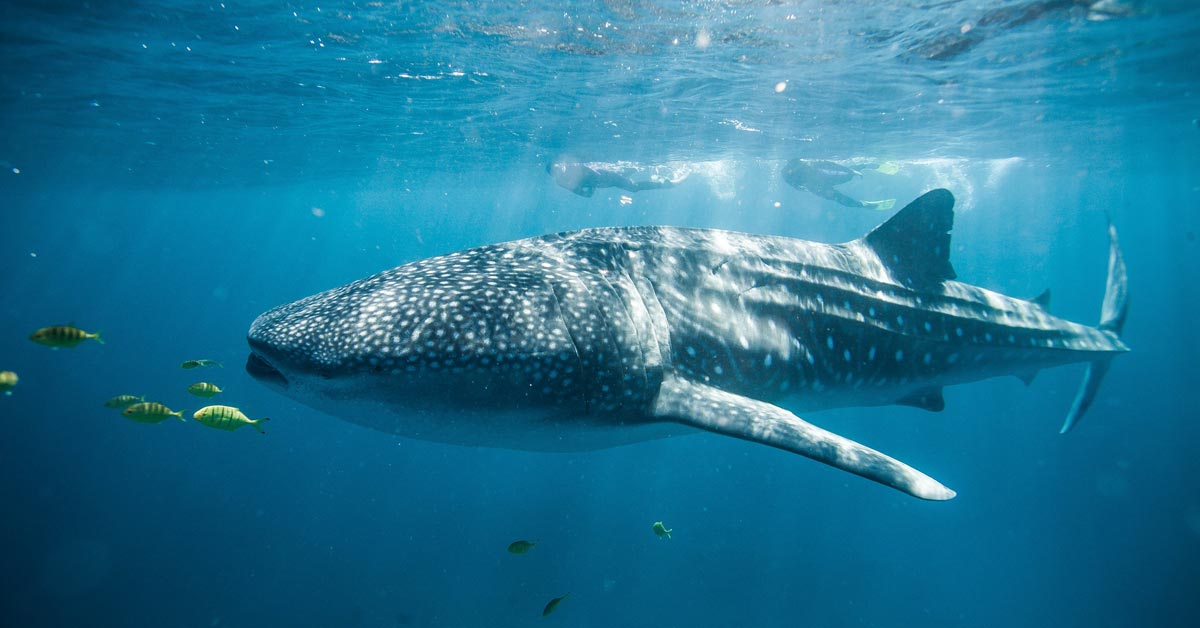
x=166, y=196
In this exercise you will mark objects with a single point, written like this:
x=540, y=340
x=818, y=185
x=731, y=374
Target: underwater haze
x=170, y=170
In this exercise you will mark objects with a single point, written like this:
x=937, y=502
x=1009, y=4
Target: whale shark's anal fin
x=915, y=243
x=1026, y=377
x=725, y=413
x=930, y=399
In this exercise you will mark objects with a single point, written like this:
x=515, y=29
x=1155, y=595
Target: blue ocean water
x=172, y=169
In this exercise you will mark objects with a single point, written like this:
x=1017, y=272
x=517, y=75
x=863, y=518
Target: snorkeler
x=583, y=180
x=819, y=177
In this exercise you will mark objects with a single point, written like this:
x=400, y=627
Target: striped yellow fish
x=64, y=336
x=226, y=418
x=193, y=364
x=123, y=401
x=150, y=412
x=8, y=379
x=204, y=389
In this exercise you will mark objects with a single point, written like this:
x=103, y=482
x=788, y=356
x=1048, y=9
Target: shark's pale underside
x=600, y=337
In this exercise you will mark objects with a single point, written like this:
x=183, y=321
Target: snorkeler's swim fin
x=882, y=206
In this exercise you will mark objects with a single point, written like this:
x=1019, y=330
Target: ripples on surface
x=258, y=91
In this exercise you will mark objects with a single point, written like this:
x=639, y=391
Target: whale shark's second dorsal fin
x=915, y=243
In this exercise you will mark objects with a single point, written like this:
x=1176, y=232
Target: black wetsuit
x=819, y=177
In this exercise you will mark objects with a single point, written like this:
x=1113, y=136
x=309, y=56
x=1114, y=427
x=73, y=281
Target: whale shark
x=606, y=336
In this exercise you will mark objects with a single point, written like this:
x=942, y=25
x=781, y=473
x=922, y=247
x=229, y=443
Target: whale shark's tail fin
x=1112, y=319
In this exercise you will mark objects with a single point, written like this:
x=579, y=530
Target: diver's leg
x=842, y=199
x=610, y=179
x=652, y=185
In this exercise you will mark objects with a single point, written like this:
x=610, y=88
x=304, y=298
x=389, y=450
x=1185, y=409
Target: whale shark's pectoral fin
x=715, y=410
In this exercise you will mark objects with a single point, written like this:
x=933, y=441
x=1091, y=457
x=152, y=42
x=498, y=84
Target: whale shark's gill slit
x=585, y=373
x=648, y=363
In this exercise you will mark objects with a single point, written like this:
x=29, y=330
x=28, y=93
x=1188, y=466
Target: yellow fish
x=226, y=418
x=123, y=401
x=8, y=379
x=63, y=336
x=150, y=412
x=191, y=364
x=204, y=389
x=553, y=604
x=520, y=547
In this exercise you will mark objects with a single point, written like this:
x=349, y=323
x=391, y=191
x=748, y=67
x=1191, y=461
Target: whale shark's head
x=467, y=333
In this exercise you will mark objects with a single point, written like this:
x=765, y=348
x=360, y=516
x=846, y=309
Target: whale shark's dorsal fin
x=915, y=243
x=714, y=410
x=1042, y=299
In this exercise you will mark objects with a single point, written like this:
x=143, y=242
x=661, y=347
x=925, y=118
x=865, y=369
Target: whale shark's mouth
x=260, y=369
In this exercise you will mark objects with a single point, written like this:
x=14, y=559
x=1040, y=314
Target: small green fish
x=191, y=364
x=8, y=379
x=150, y=412
x=121, y=402
x=226, y=418
x=63, y=336
x=520, y=547
x=661, y=530
x=204, y=389
x=553, y=604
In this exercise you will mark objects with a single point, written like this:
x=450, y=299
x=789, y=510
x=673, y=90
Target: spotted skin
x=600, y=337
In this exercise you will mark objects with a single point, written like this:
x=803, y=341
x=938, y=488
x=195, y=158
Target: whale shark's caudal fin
x=715, y=410
x=1112, y=319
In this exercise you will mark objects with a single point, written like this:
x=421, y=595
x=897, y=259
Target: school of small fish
x=135, y=407
x=221, y=417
